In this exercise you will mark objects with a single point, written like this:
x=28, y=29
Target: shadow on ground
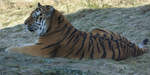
x=133, y=23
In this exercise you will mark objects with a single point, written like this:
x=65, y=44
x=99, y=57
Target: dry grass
x=13, y=12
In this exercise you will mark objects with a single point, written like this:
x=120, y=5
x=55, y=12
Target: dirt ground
x=132, y=23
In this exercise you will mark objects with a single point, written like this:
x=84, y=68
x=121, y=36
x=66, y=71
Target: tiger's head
x=41, y=19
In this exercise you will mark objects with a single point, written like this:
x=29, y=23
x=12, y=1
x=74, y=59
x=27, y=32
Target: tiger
x=59, y=38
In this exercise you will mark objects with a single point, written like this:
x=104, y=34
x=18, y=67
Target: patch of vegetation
x=13, y=12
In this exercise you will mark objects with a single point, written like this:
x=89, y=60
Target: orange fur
x=63, y=40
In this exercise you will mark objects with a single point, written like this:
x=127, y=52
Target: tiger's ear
x=39, y=5
x=60, y=19
x=62, y=12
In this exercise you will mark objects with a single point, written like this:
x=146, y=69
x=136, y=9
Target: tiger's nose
x=25, y=23
x=30, y=29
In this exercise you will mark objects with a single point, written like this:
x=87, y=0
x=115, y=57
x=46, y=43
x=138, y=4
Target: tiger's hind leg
x=33, y=50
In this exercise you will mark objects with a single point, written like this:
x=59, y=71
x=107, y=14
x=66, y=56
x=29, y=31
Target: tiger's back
x=97, y=44
x=58, y=38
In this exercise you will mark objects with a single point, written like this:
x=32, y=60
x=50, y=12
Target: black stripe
x=103, y=47
x=83, y=42
x=54, y=52
x=113, y=56
x=71, y=37
x=97, y=45
x=82, y=55
x=91, y=54
x=110, y=47
x=138, y=52
x=134, y=49
x=105, y=36
x=112, y=38
x=128, y=49
x=109, y=44
x=57, y=43
x=102, y=30
x=40, y=19
x=38, y=43
x=117, y=43
x=90, y=46
x=90, y=42
x=124, y=46
x=75, y=41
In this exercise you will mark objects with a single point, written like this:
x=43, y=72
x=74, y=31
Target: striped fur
x=61, y=39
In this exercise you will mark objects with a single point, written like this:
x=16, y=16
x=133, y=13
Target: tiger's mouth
x=32, y=28
x=38, y=29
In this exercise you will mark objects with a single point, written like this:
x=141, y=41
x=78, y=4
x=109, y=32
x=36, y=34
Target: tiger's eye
x=47, y=6
x=40, y=15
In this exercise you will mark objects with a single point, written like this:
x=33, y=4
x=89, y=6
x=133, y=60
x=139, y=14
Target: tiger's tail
x=143, y=43
x=141, y=48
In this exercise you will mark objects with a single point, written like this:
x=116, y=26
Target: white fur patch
x=37, y=13
x=141, y=45
x=42, y=29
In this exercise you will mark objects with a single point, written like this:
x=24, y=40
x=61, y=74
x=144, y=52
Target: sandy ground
x=133, y=23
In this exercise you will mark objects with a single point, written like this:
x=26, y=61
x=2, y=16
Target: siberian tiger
x=58, y=38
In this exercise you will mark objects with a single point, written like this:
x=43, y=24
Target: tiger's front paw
x=12, y=50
